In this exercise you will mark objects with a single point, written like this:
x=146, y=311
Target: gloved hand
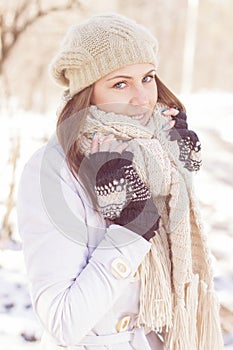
x=180, y=131
x=187, y=140
x=121, y=196
x=138, y=212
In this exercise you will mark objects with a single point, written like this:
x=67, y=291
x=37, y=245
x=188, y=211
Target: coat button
x=123, y=324
x=120, y=268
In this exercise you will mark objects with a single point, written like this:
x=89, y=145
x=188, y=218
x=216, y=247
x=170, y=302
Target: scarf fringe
x=196, y=325
x=178, y=338
x=209, y=332
x=183, y=334
x=192, y=305
x=155, y=294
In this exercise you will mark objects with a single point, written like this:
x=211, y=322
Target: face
x=130, y=90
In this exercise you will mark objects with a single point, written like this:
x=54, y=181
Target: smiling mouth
x=140, y=116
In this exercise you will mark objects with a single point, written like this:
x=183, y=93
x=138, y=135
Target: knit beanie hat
x=99, y=46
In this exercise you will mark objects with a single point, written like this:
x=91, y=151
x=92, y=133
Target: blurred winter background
x=195, y=60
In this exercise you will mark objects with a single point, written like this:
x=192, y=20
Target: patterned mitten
x=187, y=140
x=122, y=197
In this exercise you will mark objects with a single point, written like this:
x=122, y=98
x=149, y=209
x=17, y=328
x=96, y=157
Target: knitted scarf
x=177, y=296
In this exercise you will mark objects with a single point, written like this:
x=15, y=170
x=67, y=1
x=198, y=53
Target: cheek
x=96, y=96
x=103, y=96
x=105, y=99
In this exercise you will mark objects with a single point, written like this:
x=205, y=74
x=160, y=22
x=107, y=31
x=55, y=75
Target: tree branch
x=17, y=30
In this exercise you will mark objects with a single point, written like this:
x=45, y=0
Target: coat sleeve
x=65, y=282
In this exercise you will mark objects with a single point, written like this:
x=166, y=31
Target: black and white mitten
x=187, y=140
x=121, y=195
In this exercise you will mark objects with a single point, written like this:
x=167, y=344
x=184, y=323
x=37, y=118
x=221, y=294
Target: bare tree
x=15, y=21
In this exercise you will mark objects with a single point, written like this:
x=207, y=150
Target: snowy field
x=211, y=115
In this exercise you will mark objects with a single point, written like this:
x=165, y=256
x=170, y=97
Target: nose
x=139, y=96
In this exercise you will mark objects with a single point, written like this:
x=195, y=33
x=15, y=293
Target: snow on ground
x=211, y=115
x=17, y=321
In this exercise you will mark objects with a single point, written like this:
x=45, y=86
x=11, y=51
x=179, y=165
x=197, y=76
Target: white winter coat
x=82, y=275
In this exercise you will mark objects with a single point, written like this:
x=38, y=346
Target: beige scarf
x=177, y=294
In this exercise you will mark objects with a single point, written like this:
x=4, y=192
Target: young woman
x=113, y=242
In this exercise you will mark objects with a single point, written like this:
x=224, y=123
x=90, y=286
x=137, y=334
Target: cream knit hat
x=99, y=46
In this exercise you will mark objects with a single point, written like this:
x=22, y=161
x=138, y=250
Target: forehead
x=131, y=70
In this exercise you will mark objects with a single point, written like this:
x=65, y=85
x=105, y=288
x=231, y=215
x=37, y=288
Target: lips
x=143, y=118
x=138, y=117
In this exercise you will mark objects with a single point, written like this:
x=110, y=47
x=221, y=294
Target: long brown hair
x=69, y=126
x=166, y=97
x=73, y=115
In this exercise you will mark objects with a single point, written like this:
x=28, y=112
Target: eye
x=120, y=85
x=148, y=78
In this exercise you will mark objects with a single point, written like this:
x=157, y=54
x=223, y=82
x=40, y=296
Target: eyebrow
x=128, y=77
